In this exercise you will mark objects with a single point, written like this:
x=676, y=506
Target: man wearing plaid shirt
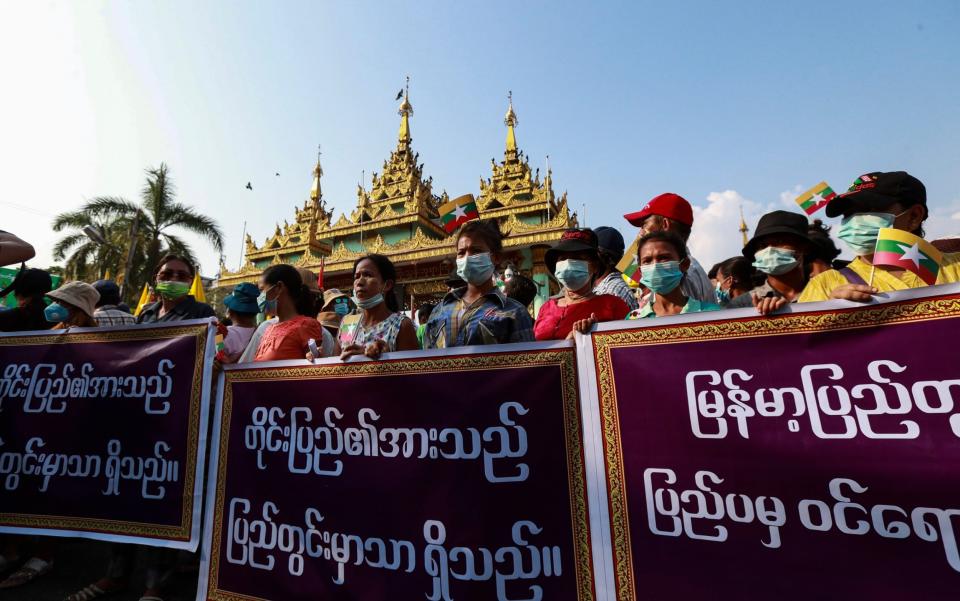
x=107, y=312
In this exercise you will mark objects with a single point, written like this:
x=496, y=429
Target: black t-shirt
x=25, y=318
x=188, y=308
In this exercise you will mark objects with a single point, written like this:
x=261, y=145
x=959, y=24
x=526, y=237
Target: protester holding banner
x=610, y=280
x=379, y=327
x=28, y=287
x=73, y=306
x=894, y=200
x=671, y=212
x=733, y=277
x=242, y=311
x=575, y=261
x=777, y=250
x=282, y=291
x=173, y=277
x=478, y=313
x=664, y=264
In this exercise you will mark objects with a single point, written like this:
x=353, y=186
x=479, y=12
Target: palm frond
x=179, y=215
x=63, y=245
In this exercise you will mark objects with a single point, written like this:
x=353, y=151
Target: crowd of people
x=286, y=316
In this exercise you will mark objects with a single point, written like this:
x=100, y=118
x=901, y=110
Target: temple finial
x=511, y=121
x=405, y=110
x=743, y=227
x=315, y=192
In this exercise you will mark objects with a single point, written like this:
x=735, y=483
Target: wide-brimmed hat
x=778, y=222
x=329, y=319
x=668, y=204
x=876, y=191
x=81, y=295
x=333, y=294
x=573, y=240
x=243, y=299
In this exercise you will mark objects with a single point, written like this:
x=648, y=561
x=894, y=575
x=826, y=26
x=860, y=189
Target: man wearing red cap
x=671, y=212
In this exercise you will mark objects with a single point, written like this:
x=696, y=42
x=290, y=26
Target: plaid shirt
x=492, y=319
x=614, y=284
x=109, y=315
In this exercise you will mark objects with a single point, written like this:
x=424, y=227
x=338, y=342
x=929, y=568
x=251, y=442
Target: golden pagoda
x=398, y=218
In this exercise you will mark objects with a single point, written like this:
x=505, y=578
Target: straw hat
x=81, y=295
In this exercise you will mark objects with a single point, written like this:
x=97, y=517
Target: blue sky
x=729, y=104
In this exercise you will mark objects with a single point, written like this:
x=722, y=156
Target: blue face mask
x=723, y=296
x=860, y=231
x=773, y=260
x=56, y=313
x=475, y=269
x=661, y=278
x=573, y=274
x=368, y=303
x=266, y=305
x=341, y=306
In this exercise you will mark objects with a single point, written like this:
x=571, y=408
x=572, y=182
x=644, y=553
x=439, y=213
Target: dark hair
x=108, y=297
x=738, y=268
x=167, y=258
x=388, y=273
x=681, y=229
x=304, y=301
x=664, y=236
x=712, y=274
x=521, y=289
x=488, y=229
x=424, y=311
x=822, y=246
x=29, y=283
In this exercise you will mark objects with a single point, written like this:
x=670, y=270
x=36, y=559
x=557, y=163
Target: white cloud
x=956, y=216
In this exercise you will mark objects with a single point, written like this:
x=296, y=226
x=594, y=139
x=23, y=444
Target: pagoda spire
x=405, y=110
x=743, y=227
x=511, y=121
x=315, y=192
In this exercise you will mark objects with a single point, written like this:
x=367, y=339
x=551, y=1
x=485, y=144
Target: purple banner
x=437, y=477
x=812, y=455
x=102, y=432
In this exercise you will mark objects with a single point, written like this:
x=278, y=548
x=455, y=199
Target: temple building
x=398, y=217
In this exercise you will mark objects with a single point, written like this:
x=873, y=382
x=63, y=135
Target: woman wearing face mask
x=663, y=263
x=283, y=293
x=72, y=307
x=173, y=277
x=379, y=327
x=777, y=251
x=575, y=261
x=478, y=313
x=733, y=279
x=876, y=200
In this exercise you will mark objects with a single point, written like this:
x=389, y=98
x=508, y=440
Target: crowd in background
x=287, y=316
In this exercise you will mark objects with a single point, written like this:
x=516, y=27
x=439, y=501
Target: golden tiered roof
x=525, y=206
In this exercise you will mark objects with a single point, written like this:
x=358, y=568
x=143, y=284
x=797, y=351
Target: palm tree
x=86, y=259
x=159, y=215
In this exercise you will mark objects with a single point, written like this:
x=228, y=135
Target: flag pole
x=873, y=268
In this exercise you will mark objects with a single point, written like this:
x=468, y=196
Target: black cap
x=610, y=240
x=109, y=292
x=778, y=222
x=573, y=240
x=877, y=191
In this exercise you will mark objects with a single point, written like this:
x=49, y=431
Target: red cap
x=668, y=205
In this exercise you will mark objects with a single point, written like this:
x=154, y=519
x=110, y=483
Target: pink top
x=288, y=339
x=555, y=322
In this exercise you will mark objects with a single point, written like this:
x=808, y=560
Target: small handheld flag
x=196, y=289
x=897, y=248
x=457, y=212
x=816, y=198
x=144, y=299
x=628, y=265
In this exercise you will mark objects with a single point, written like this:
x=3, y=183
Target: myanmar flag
x=457, y=212
x=897, y=248
x=629, y=266
x=816, y=198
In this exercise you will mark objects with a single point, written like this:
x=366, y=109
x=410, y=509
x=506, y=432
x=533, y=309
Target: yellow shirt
x=820, y=287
